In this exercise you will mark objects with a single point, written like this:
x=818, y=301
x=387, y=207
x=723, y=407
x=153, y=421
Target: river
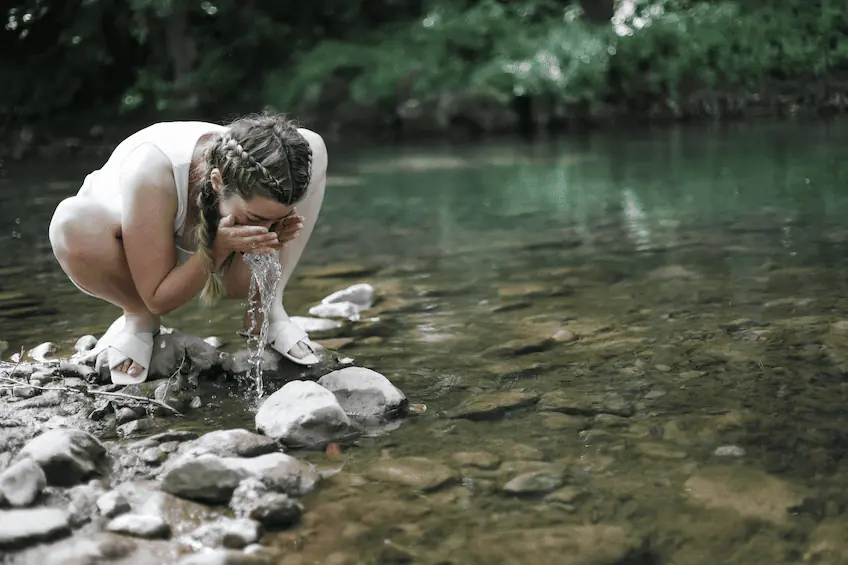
x=676, y=295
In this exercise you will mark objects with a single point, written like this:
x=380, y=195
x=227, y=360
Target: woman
x=177, y=186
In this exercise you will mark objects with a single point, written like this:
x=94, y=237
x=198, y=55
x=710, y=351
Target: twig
x=88, y=391
x=177, y=372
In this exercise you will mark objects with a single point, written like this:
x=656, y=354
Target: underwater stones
x=19, y=528
x=364, y=393
x=22, y=483
x=419, y=473
x=564, y=402
x=212, y=479
x=534, y=483
x=478, y=459
x=145, y=526
x=492, y=406
x=67, y=456
x=748, y=491
x=304, y=414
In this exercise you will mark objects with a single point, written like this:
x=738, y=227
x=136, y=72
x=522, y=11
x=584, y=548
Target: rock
x=233, y=443
x=43, y=353
x=339, y=270
x=214, y=341
x=112, y=504
x=224, y=557
x=562, y=401
x=227, y=533
x=365, y=393
x=153, y=456
x=140, y=525
x=729, y=451
x=492, y=406
x=67, y=456
x=827, y=544
x=253, y=500
x=672, y=272
x=479, y=459
x=750, y=492
x=136, y=427
x=347, y=310
x=22, y=483
x=315, y=325
x=304, y=414
x=77, y=371
x=24, y=391
x=417, y=472
x=82, y=502
x=85, y=343
x=19, y=528
x=362, y=295
x=212, y=479
x=534, y=483
x=595, y=544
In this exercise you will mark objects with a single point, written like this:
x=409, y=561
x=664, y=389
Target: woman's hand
x=287, y=229
x=242, y=239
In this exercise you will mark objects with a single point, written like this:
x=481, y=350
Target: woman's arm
x=149, y=210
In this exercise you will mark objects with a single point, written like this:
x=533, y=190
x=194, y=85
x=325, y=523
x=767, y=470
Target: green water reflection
x=693, y=280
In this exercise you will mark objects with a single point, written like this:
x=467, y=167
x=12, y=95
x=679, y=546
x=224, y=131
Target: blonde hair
x=258, y=155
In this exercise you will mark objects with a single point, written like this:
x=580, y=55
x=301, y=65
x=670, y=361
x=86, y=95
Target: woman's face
x=257, y=211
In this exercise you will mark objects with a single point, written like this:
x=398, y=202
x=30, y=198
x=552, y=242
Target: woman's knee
x=77, y=227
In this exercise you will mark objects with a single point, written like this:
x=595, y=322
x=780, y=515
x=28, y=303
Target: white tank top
x=177, y=141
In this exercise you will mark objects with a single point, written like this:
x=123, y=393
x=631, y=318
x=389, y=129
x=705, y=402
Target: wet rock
x=82, y=502
x=24, y=391
x=827, y=544
x=22, y=483
x=519, y=347
x=559, y=422
x=316, y=325
x=85, y=343
x=492, y=406
x=392, y=553
x=478, y=459
x=252, y=499
x=304, y=414
x=364, y=393
x=136, y=427
x=729, y=451
x=583, y=545
x=233, y=443
x=89, y=549
x=338, y=270
x=579, y=404
x=750, y=492
x=212, y=479
x=214, y=341
x=417, y=472
x=346, y=310
x=43, y=353
x=565, y=495
x=77, y=371
x=534, y=483
x=673, y=272
x=67, y=456
x=226, y=533
x=660, y=451
x=112, y=504
x=19, y=528
x=144, y=526
x=224, y=557
x=362, y=295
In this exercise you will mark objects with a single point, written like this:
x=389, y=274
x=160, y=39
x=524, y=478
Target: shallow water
x=674, y=297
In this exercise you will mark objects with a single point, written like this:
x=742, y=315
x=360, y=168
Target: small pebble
x=729, y=451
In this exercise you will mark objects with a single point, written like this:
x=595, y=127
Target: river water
x=675, y=297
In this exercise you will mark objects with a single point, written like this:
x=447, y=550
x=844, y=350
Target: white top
x=177, y=141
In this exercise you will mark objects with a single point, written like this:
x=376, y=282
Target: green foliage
x=163, y=55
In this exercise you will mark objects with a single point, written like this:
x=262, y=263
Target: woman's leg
x=85, y=239
x=237, y=278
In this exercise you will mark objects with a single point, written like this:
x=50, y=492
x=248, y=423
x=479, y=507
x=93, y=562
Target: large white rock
x=304, y=414
x=364, y=393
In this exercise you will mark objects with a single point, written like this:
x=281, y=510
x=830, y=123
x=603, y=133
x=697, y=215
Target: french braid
x=257, y=155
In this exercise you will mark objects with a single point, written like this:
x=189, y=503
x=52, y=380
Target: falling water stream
x=265, y=273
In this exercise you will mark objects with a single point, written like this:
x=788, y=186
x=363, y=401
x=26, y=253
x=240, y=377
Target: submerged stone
x=492, y=406
x=417, y=472
x=227, y=533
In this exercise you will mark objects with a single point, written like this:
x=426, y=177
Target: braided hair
x=258, y=155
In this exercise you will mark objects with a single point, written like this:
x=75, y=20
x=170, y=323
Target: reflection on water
x=668, y=305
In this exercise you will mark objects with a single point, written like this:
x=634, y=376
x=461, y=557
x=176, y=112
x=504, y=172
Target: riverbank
x=94, y=135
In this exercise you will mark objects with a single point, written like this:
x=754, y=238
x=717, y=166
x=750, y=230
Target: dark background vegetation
x=413, y=67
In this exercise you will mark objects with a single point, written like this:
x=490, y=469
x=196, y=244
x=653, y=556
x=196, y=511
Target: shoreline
x=86, y=135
